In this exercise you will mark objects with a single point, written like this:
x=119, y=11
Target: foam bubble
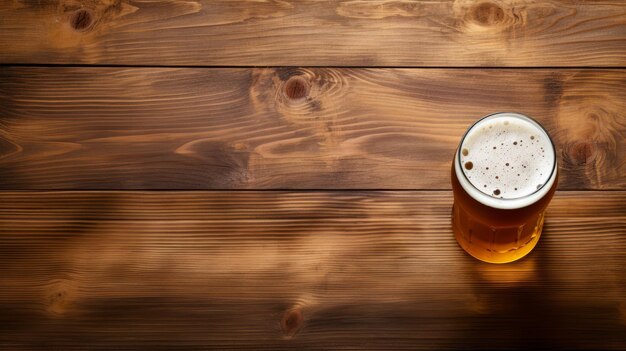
x=513, y=153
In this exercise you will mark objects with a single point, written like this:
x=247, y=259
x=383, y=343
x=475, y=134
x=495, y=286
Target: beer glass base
x=491, y=256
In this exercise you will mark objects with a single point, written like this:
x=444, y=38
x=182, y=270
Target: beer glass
x=504, y=174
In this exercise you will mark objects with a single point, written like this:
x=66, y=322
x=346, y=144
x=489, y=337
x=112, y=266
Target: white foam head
x=506, y=160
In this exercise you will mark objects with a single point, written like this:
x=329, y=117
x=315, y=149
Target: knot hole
x=581, y=153
x=296, y=88
x=81, y=20
x=487, y=14
x=292, y=322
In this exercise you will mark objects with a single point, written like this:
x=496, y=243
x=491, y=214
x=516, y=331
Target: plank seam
x=45, y=65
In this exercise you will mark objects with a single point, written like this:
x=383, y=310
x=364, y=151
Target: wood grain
x=300, y=270
x=314, y=33
x=291, y=128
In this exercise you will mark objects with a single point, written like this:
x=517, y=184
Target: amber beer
x=504, y=174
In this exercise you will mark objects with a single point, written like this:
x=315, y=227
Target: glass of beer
x=504, y=174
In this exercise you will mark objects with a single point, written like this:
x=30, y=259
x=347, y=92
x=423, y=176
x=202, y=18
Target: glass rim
x=517, y=115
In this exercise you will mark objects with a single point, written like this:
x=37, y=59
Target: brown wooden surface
x=314, y=33
x=300, y=270
x=348, y=264
x=156, y=128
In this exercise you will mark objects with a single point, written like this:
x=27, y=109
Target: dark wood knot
x=487, y=14
x=296, y=88
x=81, y=20
x=59, y=297
x=581, y=153
x=292, y=322
x=593, y=116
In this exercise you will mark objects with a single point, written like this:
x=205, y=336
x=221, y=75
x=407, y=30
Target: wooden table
x=269, y=175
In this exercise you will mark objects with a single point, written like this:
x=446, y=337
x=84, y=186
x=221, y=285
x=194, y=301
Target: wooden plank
x=267, y=205
x=315, y=33
x=288, y=270
x=291, y=128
